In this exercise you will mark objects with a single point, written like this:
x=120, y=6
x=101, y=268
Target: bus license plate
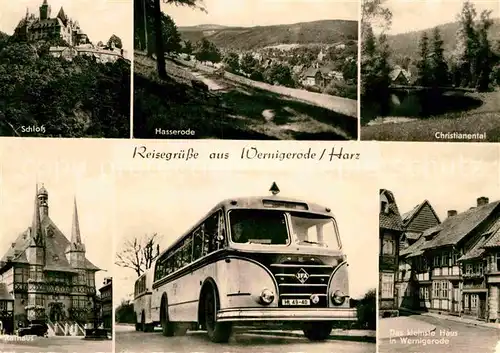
x=296, y=302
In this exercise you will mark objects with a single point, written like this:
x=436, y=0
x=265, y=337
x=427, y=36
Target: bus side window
x=187, y=251
x=198, y=244
x=212, y=231
x=222, y=231
x=206, y=240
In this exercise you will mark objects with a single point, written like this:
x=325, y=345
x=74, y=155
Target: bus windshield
x=314, y=230
x=259, y=227
x=250, y=226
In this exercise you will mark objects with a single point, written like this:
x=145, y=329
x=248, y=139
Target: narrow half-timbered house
x=390, y=230
x=415, y=222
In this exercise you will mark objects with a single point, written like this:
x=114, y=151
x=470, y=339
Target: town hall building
x=48, y=276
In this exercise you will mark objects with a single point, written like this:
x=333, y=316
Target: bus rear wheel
x=318, y=331
x=167, y=327
x=218, y=332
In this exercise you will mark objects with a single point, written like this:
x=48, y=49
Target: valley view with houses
x=279, y=81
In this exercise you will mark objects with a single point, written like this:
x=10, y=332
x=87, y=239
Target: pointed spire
x=44, y=2
x=36, y=227
x=75, y=228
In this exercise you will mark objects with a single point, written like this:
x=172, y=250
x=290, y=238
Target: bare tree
x=139, y=253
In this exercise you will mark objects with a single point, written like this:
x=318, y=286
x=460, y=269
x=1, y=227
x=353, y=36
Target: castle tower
x=44, y=11
x=43, y=202
x=75, y=252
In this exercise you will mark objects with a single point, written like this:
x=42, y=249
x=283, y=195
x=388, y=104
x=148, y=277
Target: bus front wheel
x=218, y=332
x=318, y=331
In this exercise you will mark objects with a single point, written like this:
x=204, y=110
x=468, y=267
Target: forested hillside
x=247, y=38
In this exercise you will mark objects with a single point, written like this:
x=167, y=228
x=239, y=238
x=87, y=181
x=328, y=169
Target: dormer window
x=55, y=258
x=384, y=207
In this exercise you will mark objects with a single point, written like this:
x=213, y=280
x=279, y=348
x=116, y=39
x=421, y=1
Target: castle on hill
x=45, y=27
x=74, y=42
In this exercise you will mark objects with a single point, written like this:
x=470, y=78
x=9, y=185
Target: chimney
x=481, y=201
x=452, y=213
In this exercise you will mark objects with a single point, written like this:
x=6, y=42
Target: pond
x=403, y=106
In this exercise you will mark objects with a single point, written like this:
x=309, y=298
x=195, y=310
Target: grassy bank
x=484, y=119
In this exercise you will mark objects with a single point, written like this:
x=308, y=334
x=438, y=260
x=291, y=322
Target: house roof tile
x=392, y=219
x=454, y=229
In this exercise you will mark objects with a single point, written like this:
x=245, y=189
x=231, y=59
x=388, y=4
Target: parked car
x=34, y=329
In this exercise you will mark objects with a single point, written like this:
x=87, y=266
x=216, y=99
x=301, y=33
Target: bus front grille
x=301, y=281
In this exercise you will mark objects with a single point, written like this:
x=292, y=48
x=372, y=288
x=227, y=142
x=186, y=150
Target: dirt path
x=337, y=104
x=212, y=85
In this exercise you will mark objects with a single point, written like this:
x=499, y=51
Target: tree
x=280, y=74
x=124, y=313
x=232, y=61
x=157, y=15
x=423, y=76
x=171, y=35
x=438, y=68
x=484, y=61
x=350, y=70
x=375, y=70
x=207, y=51
x=248, y=63
x=116, y=41
x=188, y=47
x=138, y=254
x=367, y=311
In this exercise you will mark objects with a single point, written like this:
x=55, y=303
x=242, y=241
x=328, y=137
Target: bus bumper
x=279, y=314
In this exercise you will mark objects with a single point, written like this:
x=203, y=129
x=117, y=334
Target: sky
x=248, y=13
x=450, y=176
x=414, y=15
x=99, y=19
x=66, y=172
x=171, y=203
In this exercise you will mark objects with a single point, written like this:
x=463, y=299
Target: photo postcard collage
x=249, y=176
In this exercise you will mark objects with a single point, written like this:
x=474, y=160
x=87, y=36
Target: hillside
x=406, y=44
x=206, y=27
x=81, y=98
x=246, y=38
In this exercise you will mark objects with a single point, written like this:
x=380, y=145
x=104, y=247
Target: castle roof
x=62, y=15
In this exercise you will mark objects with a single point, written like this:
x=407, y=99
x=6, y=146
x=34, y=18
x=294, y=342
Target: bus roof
x=276, y=203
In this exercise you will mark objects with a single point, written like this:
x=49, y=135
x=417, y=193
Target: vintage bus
x=256, y=261
x=142, y=302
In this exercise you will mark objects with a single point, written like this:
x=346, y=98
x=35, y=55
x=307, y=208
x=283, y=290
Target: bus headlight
x=266, y=296
x=338, y=298
x=315, y=299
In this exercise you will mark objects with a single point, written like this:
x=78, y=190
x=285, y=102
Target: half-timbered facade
x=49, y=276
x=106, y=292
x=390, y=230
x=415, y=222
x=452, y=263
